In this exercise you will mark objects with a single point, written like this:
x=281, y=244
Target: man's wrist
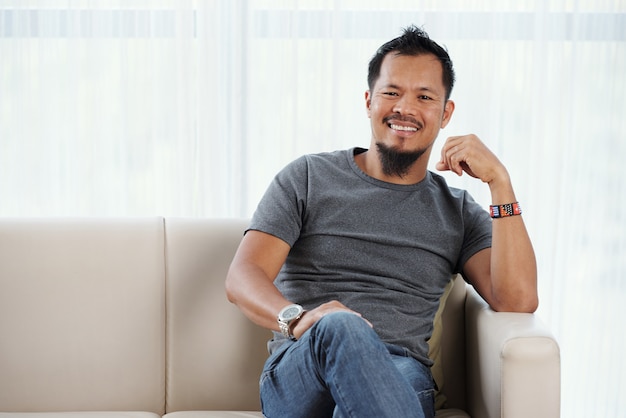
x=501, y=189
x=505, y=210
x=288, y=317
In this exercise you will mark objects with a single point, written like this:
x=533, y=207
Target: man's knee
x=347, y=329
x=343, y=322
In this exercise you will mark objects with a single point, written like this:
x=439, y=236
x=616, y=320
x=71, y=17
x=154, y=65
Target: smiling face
x=407, y=105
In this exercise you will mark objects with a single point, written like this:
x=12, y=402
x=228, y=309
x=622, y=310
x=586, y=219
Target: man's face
x=407, y=106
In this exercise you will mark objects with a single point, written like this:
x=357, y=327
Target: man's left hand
x=468, y=154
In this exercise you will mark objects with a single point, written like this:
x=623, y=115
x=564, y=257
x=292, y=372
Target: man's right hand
x=311, y=317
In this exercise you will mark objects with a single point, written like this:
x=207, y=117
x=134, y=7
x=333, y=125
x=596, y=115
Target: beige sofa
x=128, y=318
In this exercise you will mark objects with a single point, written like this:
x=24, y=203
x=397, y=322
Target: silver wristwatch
x=287, y=317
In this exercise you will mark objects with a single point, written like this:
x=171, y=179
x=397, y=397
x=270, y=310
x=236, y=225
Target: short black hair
x=413, y=41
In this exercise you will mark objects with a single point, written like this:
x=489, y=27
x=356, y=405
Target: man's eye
x=390, y=93
x=424, y=98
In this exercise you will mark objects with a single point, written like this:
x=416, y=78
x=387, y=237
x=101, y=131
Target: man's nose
x=406, y=105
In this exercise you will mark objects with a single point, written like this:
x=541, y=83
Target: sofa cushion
x=82, y=414
x=82, y=315
x=444, y=413
x=214, y=353
x=215, y=414
x=434, y=348
x=451, y=413
x=453, y=345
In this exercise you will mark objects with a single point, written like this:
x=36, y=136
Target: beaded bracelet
x=502, y=211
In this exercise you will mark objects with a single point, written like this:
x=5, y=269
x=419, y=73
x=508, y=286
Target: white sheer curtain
x=188, y=108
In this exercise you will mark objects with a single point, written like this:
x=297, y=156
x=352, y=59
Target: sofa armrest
x=513, y=364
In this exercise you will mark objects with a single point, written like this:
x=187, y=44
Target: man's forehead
x=425, y=67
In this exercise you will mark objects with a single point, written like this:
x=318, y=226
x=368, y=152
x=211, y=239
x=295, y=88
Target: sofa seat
x=451, y=413
x=124, y=414
x=214, y=414
x=443, y=413
x=81, y=414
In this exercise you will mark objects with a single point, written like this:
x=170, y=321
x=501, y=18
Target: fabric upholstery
x=453, y=346
x=214, y=353
x=513, y=364
x=82, y=315
x=81, y=414
x=215, y=414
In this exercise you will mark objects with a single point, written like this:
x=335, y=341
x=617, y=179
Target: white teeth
x=403, y=128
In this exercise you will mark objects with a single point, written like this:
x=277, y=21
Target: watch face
x=291, y=313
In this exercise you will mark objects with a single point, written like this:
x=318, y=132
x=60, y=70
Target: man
x=349, y=252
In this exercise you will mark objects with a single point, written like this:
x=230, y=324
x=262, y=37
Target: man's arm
x=250, y=283
x=250, y=278
x=505, y=275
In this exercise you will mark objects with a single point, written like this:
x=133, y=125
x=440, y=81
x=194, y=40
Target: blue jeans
x=340, y=368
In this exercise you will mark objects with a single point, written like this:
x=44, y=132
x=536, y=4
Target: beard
x=397, y=163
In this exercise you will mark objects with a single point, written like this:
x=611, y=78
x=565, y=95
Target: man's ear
x=448, y=109
x=368, y=102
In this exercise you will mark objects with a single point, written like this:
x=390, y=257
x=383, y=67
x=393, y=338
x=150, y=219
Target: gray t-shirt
x=384, y=250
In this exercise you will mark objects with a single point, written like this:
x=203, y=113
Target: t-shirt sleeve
x=477, y=235
x=281, y=210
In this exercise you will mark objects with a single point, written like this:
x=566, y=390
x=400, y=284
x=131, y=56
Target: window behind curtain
x=188, y=108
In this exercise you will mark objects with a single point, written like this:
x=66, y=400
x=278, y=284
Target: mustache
x=395, y=117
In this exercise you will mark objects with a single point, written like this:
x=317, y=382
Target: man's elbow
x=526, y=304
x=526, y=307
x=230, y=287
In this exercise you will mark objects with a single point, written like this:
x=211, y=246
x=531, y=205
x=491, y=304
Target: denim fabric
x=340, y=368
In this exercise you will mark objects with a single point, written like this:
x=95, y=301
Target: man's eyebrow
x=395, y=86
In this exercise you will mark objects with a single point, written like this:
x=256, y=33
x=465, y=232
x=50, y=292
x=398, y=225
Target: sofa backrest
x=452, y=362
x=214, y=353
x=82, y=315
